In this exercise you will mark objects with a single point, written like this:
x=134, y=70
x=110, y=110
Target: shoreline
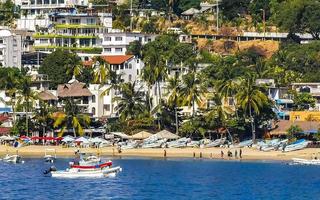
x=208, y=153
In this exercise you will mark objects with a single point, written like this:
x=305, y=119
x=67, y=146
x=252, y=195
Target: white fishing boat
x=216, y=143
x=50, y=157
x=156, y=144
x=302, y=161
x=130, y=145
x=77, y=173
x=182, y=142
x=12, y=159
x=299, y=144
x=193, y=144
x=245, y=143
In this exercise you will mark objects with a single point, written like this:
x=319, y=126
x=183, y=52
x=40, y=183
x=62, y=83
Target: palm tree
x=10, y=83
x=220, y=112
x=26, y=97
x=173, y=93
x=251, y=99
x=71, y=118
x=102, y=71
x=192, y=91
x=228, y=88
x=131, y=102
x=43, y=115
x=149, y=78
x=74, y=70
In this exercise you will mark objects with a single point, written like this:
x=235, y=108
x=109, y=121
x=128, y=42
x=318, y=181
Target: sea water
x=152, y=178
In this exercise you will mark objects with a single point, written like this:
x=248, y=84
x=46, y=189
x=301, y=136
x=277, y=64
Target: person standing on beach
x=236, y=153
x=222, y=154
x=240, y=153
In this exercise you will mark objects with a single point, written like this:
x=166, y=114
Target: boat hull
x=305, y=161
x=86, y=174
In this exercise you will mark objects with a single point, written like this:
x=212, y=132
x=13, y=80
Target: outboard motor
x=52, y=168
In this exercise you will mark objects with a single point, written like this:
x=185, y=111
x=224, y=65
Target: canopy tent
x=82, y=139
x=121, y=135
x=96, y=140
x=68, y=139
x=164, y=134
x=141, y=135
x=45, y=138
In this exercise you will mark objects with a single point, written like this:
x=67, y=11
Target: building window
x=85, y=100
x=53, y=1
x=43, y=41
x=108, y=38
x=138, y=60
x=74, y=21
x=130, y=77
x=1, y=41
x=118, y=49
x=91, y=21
x=107, y=49
x=93, y=111
x=1, y=53
x=118, y=38
x=130, y=66
x=126, y=66
x=137, y=72
x=107, y=107
x=93, y=98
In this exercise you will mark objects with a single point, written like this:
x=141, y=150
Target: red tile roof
x=117, y=60
x=113, y=60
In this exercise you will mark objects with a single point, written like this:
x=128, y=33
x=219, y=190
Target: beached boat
x=77, y=173
x=156, y=144
x=245, y=143
x=130, y=145
x=193, y=144
x=12, y=159
x=306, y=161
x=182, y=142
x=297, y=145
x=216, y=143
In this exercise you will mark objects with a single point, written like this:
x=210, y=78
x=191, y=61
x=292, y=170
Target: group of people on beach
x=230, y=155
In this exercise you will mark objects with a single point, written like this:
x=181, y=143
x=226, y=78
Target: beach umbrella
x=96, y=140
x=82, y=139
x=68, y=139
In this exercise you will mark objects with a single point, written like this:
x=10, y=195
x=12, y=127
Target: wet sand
x=210, y=153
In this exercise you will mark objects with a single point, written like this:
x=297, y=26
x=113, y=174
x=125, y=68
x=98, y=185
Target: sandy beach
x=209, y=153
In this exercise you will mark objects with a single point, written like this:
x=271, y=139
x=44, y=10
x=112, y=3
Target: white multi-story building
x=34, y=13
x=78, y=32
x=10, y=49
x=116, y=43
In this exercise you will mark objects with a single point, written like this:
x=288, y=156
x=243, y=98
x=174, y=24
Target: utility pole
x=217, y=16
x=131, y=16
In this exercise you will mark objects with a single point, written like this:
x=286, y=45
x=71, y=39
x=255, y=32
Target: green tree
x=251, y=99
x=303, y=101
x=234, y=8
x=130, y=103
x=300, y=16
x=134, y=48
x=71, y=118
x=56, y=66
x=292, y=131
x=192, y=91
x=149, y=78
x=43, y=117
x=26, y=98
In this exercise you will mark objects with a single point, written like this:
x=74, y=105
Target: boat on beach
x=245, y=143
x=216, y=143
x=297, y=145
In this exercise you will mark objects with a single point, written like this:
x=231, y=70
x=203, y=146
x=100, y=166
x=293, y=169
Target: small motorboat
x=216, y=143
x=245, y=143
x=49, y=157
x=302, y=161
x=12, y=159
x=77, y=173
x=297, y=145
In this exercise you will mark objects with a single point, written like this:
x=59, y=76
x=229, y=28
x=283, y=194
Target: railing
x=78, y=36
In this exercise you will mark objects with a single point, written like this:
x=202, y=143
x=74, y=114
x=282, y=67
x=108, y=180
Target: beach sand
x=210, y=153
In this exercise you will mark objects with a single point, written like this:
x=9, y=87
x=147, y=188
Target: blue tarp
x=5, y=109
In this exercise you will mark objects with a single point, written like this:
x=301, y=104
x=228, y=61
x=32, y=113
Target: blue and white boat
x=297, y=145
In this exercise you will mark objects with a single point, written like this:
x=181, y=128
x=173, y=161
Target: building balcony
x=43, y=6
x=74, y=26
x=79, y=36
x=96, y=50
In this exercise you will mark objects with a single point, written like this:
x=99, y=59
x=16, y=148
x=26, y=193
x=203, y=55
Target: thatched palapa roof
x=46, y=96
x=164, y=134
x=141, y=135
x=74, y=89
